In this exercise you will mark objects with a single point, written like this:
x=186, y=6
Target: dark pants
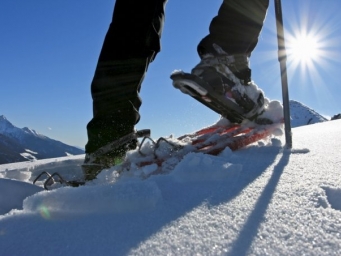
x=132, y=42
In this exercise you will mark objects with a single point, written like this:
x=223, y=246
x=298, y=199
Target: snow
x=302, y=115
x=29, y=155
x=31, y=131
x=262, y=200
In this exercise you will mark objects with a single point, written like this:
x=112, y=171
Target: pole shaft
x=282, y=58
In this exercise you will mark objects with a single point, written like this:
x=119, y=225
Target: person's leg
x=131, y=43
x=222, y=79
x=237, y=26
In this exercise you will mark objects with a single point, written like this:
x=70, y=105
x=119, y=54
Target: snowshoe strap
x=121, y=141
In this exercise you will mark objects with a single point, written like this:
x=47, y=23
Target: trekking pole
x=282, y=58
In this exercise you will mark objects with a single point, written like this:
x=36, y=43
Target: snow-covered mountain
x=303, y=115
x=24, y=144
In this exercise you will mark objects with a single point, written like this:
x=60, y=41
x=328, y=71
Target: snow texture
x=261, y=200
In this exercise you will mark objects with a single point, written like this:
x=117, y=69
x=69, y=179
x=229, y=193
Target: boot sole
x=202, y=92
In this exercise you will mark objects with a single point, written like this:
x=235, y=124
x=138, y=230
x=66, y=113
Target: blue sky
x=49, y=51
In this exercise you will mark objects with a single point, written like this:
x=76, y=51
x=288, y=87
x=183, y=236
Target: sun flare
x=304, y=49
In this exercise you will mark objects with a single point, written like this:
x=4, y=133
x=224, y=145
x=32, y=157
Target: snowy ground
x=262, y=200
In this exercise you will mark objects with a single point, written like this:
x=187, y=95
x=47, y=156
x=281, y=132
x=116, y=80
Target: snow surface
x=262, y=200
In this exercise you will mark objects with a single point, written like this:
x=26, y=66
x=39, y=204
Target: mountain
x=303, y=115
x=337, y=116
x=17, y=145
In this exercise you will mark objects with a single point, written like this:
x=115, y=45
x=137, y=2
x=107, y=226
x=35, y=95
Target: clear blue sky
x=49, y=50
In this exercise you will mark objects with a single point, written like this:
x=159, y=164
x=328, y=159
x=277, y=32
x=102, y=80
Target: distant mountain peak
x=303, y=115
x=18, y=144
x=7, y=128
x=5, y=124
x=3, y=118
x=31, y=131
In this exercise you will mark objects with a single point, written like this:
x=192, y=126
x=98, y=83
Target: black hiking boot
x=111, y=154
x=223, y=83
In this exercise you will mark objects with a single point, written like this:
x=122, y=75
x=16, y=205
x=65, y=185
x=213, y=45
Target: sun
x=304, y=49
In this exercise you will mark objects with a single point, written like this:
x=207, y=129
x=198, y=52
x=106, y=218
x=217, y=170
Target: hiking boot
x=223, y=83
x=111, y=154
x=102, y=159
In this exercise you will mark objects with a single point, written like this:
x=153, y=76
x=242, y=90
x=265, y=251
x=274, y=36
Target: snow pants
x=131, y=44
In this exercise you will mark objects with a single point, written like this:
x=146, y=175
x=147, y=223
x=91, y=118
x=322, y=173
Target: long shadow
x=250, y=229
x=125, y=231
x=191, y=195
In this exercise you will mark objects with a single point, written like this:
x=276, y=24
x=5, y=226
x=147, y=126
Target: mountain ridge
x=22, y=144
